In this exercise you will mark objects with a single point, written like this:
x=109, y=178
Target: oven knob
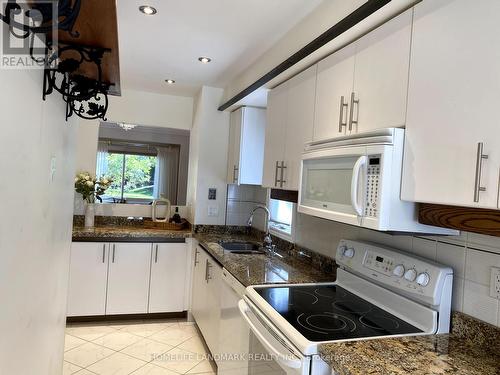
x=399, y=270
x=423, y=279
x=410, y=275
x=349, y=253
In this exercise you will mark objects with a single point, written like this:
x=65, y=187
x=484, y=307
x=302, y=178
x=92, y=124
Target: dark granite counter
x=112, y=233
x=287, y=267
x=472, y=348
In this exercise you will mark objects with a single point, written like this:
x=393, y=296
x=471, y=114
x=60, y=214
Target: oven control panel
x=372, y=186
x=396, y=269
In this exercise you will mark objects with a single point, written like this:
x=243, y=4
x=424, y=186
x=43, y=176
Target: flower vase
x=89, y=215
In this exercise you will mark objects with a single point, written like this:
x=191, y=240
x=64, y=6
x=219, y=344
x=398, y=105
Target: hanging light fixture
x=125, y=126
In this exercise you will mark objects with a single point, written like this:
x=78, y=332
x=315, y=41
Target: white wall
x=470, y=255
x=145, y=108
x=208, y=158
x=35, y=225
x=241, y=200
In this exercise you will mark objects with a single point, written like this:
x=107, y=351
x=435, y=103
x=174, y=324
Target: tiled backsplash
x=241, y=200
x=470, y=255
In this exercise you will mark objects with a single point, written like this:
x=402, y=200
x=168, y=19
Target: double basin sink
x=242, y=248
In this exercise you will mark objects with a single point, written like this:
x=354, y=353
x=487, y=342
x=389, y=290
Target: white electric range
x=379, y=293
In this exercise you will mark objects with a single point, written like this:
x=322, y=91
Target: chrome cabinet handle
x=156, y=253
x=479, y=170
x=103, y=252
x=196, y=252
x=207, y=271
x=276, y=174
x=235, y=174
x=283, y=167
x=351, y=113
x=114, y=248
x=343, y=104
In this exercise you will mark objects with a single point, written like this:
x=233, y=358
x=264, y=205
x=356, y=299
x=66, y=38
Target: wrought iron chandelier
x=85, y=97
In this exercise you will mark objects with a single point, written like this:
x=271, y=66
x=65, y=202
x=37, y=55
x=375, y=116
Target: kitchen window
x=133, y=177
x=282, y=218
x=141, y=173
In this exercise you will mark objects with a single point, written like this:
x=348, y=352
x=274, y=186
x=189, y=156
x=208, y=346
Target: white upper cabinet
x=128, y=278
x=246, y=146
x=299, y=124
x=453, y=104
x=290, y=118
x=363, y=86
x=381, y=77
x=87, y=279
x=333, y=92
x=274, y=150
x=169, y=265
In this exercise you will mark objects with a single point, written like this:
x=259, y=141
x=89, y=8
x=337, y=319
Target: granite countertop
x=262, y=269
x=472, y=348
x=115, y=233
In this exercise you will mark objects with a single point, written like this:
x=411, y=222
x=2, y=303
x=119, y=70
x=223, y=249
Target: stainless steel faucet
x=268, y=241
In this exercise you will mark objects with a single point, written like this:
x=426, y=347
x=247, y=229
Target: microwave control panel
x=372, y=189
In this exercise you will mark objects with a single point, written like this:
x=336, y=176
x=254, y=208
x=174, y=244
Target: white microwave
x=356, y=180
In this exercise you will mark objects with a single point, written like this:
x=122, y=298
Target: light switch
x=53, y=164
x=213, y=211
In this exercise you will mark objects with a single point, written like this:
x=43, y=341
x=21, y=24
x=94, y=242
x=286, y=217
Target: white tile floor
x=168, y=347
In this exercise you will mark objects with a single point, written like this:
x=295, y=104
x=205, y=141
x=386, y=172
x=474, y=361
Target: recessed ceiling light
x=148, y=10
x=170, y=81
x=204, y=59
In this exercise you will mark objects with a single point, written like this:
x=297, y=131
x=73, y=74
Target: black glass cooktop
x=325, y=313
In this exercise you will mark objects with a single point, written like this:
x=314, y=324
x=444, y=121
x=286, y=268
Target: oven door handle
x=285, y=360
x=355, y=182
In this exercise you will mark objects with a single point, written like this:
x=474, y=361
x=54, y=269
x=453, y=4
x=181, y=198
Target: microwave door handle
x=355, y=183
x=285, y=360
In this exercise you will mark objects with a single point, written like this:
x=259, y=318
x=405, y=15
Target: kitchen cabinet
x=333, y=90
x=169, y=265
x=452, y=146
x=380, y=88
x=274, y=149
x=128, y=278
x=206, y=297
x=290, y=126
x=87, y=279
x=363, y=86
x=246, y=146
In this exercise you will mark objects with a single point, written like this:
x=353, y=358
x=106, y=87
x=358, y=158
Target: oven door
x=270, y=352
x=333, y=184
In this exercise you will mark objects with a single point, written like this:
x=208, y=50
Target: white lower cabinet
x=127, y=278
x=169, y=265
x=206, y=298
x=88, y=279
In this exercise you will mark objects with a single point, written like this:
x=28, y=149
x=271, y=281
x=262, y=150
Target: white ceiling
x=234, y=33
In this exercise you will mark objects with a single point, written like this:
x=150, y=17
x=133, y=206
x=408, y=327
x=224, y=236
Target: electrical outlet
x=495, y=282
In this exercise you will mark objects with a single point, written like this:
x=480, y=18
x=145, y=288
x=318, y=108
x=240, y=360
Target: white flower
x=105, y=181
x=76, y=179
x=90, y=183
x=87, y=177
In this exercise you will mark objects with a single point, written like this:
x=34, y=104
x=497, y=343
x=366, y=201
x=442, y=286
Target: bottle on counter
x=176, y=218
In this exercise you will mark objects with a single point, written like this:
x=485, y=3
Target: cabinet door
x=453, y=103
x=233, y=163
x=199, y=287
x=213, y=306
x=168, y=277
x=253, y=134
x=87, y=279
x=299, y=124
x=381, y=77
x=333, y=90
x=128, y=278
x=274, y=150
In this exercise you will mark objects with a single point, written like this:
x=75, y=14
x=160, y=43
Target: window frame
x=279, y=233
x=124, y=166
